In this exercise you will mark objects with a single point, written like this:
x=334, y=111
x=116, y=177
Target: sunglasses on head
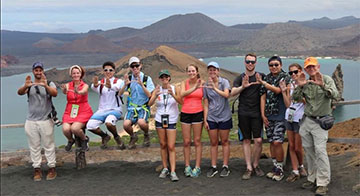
x=293, y=72
x=275, y=64
x=134, y=65
x=248, y=62
x=108, y=70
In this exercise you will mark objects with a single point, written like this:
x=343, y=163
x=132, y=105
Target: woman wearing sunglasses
x=293, y=115
x=167, y=99
x=77, y=110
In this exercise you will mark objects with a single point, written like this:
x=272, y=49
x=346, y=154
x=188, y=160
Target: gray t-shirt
x=219, y=108
x=39, y=103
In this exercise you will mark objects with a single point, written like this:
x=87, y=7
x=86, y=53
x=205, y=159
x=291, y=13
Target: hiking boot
x=173, y=177
x=51, y=175
x=278, y=175
x=321, y=190
x=37, y=174
x=132, y=143
x=104, y=141
x=196, y=172
x=308, y=185
x=85, y=144
x=146, y=140
x=211, y=172
x=302, y=171
x=187, y=171
x=164, y=172
x=247, y=174
x=225, y=171
x=69, y=145
x=120, y=143
x=271, y=174
x=259, y=171
x=293, y=177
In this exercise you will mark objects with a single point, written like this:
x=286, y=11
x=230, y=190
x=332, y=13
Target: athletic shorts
x=170, y=126
x=275, y=132
x=220, y=125
x=251, y=127
x=140, y=113
x=195, y=118
x=294, y=126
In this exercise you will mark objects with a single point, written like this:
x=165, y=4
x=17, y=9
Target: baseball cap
x=134, y=59
x=164, y=71
x=213, y=64
x=37, y=64
x=310, y=61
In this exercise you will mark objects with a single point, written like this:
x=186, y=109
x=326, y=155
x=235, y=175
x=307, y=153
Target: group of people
x=278, y=102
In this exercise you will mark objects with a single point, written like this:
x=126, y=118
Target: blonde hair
x=81, y=69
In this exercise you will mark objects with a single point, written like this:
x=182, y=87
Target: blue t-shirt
x=138, y=95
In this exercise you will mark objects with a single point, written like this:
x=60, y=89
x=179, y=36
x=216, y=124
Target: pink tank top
x=193, y=101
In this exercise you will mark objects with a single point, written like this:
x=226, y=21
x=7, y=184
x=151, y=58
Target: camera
x=53, y=116
x=165, y=120
x=291, y=114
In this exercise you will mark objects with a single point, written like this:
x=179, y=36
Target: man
x=318, y=92
x=139, y=87
x=110, y=106
x=249, y=117
x=39, y=127
x=273, y=114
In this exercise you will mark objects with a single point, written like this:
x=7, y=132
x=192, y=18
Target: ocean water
x=14, y=107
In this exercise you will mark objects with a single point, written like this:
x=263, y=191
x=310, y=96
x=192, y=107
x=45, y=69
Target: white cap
x=134, y=59
x=214, y=64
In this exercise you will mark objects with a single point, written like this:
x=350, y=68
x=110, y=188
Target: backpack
x=116, y=94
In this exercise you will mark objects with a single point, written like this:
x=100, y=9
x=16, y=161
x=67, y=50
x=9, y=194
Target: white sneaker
x=173, y=177
x=164, y=172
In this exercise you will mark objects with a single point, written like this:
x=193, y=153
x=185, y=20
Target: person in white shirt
x=110, y=105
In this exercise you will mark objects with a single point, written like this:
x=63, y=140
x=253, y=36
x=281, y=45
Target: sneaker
x=120, y=143
x=271, y=174
x=278, y=175
x=293, y=177
x=212, y=172
x=69, y=146
x=225, y=172
x=187, y=171
x=164, y=172
x=259, y=171
x=133, y=140
x=37, y=174
x=173, y=177
x=196, y=172
x=308, y=185
x=146, y=140
x=302, y=171
x=104, y=141
x=51, y=175
x=321, y=190
x=247, y=174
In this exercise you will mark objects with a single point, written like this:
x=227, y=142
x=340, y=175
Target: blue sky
x=85, y=15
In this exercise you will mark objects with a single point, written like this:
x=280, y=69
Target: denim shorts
x=220, y=125
x=292, y=126
x=140, y=113
x=170, y=126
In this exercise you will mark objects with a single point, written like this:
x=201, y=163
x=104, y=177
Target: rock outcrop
x=339, y=81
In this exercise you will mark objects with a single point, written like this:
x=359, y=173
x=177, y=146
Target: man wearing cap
x=318, y=92
x=39, y=127
x=249, y=116
x=139, y=87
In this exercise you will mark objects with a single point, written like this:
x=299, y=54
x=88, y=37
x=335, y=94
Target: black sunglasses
x=275, y=64
x=164, y=76
x=248, y=62
x=37, y=90
x=293, y=72
x=134, y=65
x=108, y=70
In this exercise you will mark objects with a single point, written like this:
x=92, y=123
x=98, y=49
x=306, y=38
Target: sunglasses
x=108, y=70
x=134, y=65
x=248, y=62
x=164, y=76
x=293, y=72
x=275, y=64
x=37, y=90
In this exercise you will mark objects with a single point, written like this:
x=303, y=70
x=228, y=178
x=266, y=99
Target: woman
x=293, y=115
x=78, y=110
x=166, y=98
x=217, y=117
x=192, y=117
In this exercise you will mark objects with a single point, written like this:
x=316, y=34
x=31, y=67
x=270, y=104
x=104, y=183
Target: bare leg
x=197, y=128
x=214, y=140
x=224, y=135
x=163, y=146
x=186, y=128
x=171, y=139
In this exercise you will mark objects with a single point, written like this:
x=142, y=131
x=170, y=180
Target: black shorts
x=195, y=118
x=250, y=127
x=220, y=125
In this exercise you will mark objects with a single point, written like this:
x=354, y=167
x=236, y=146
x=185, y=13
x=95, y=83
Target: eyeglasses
x=248, y=62
x=293, y=72
x=134, y=65
x=108, y=70
x=275, y=64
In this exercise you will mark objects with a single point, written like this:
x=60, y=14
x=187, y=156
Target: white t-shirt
x=108, y=100
x=299, y=107
x=171, y=106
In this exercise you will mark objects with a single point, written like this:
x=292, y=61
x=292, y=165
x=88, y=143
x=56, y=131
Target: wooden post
x=80, y=159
